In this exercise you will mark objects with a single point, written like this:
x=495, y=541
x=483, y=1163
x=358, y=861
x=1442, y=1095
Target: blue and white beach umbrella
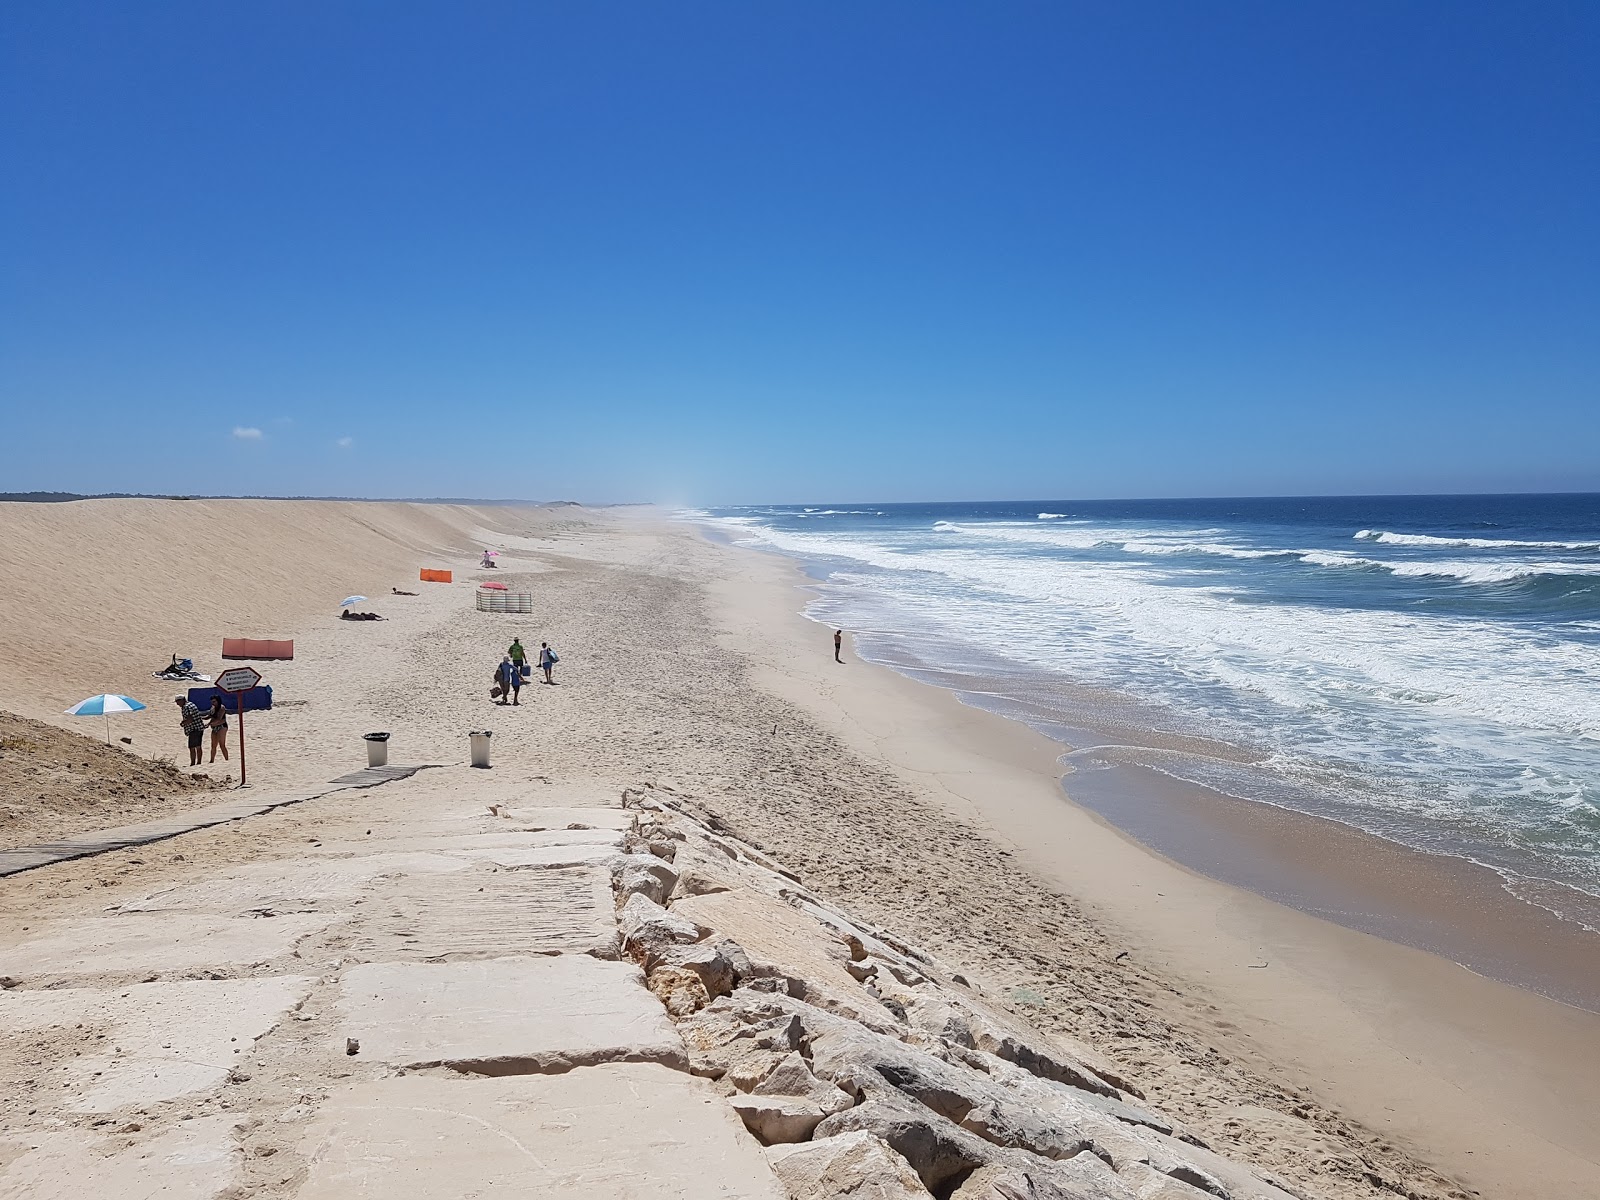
x=349, y=600
x=104, y=706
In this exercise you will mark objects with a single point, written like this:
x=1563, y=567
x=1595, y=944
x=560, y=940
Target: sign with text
x=238, y=679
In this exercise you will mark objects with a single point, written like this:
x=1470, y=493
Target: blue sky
x=733, y=252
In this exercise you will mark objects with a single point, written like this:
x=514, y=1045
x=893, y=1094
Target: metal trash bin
x=480, y=747
x=377, y=749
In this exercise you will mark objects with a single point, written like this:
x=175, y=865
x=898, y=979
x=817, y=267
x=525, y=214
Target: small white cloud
x=247, y=433
x=345, y=443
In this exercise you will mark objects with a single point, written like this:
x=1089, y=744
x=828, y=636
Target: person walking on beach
x=217, y=719
x=517, y=653
x=194, y=727
x=838, y=642
x=547, y=659
x=510, y=681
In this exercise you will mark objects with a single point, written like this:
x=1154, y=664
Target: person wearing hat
x=194, y=727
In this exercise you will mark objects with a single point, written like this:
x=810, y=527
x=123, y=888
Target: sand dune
x=186, y=574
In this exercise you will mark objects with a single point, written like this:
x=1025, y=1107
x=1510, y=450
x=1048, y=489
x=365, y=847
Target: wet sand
x=1449, y=906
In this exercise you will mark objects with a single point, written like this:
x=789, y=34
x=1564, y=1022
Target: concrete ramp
x=622, y=1131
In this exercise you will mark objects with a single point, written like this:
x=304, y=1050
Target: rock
x=1037, y=1058
x=872, y=1064
x=858, y=1165
x=644, y=874
x=1084, y=1178
x=792, y=1077
x=776, y=1119
x=937, y=1150
x=730, y=1029
x=1017, y=1126
x=663, y=848
x=748, y=1072
x=713, y=963
x=1063, y=1101
x=1207, y=1173
x=679, y=989
x=1054, y=1057
x=782, y=941
x=649, y=931
x=862, y=969
x=932, y=1013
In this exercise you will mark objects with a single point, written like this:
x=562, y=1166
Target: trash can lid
x=375, y=737
x=481, y=733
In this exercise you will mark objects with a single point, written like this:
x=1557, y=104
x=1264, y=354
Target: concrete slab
x=439, y=841
x=505, y=1016
x=512, y=839
x=161, y=1040
x=527, y=817
x=289, y=885
x=198, y=1160
x=622, y=1131
x=545, y=856
x=158, y=942
x=479, y=913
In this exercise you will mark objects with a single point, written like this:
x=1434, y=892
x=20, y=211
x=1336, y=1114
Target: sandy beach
x=1346, y=1065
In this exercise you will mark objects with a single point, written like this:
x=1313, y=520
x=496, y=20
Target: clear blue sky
x=729, y=252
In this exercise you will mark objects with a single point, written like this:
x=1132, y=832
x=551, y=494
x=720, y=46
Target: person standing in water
x=838, y=642
x=547, y=659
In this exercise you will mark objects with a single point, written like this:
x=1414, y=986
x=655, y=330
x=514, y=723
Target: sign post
x=236, y=681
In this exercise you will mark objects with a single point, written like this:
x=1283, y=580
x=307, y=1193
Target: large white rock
x=857, y=1164
x=161, y=1040
x=650, y=931
x=506, y=1015
x=781, y=940
x=195, y=1161
x=776, y=1119
x=158, y=942
x=617, y=1131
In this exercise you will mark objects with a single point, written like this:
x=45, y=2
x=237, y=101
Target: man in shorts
x=194, y=727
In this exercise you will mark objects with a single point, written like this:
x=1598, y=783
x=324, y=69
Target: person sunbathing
x=398, y=592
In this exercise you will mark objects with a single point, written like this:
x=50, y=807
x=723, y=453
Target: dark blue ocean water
x=1425, y=668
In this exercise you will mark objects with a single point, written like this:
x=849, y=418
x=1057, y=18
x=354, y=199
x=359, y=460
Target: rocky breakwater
x=866, y=1068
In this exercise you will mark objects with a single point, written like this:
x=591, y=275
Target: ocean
x=1425, y=669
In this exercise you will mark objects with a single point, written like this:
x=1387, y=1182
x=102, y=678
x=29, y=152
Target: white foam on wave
x=1490, y=572
x=1052, y=516
x=1129, y=619
x=1447, y=723
x=1466, y=543
x=1216, y=549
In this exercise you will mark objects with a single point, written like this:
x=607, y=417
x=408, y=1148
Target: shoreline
x=1107, y=762
x=1481, y=1078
